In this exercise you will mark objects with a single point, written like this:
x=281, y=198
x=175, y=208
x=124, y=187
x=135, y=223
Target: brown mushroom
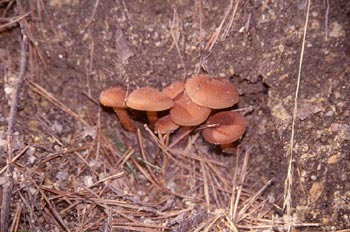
x=150, y=100
x=165, y=125
x=187, y=113
x=224, y=127
x=174, y=89
x=115, y=97
x=214, y=93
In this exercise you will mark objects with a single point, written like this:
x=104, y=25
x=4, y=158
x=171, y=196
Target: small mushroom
x=187, y=113
x=214, y=93
x=115, y=97
x=224, y=128
x=165, y=125
x=174, y=89
x=150, y=100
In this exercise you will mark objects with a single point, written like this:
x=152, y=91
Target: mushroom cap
x=113, y=97
x=149, y=99
x=174, y=89
x=231, y=127
x=214, y=93
x=165, y=125
x=187, y=113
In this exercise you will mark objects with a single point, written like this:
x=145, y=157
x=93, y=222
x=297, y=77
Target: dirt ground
x=78, y=170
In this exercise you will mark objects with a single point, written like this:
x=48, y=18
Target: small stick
x=15, y=158
x=93, y=13
x=89, y=66
x=205, y=184
x=8, y=185
x=12, y=21
x=326, y=21
x=16, y=219
x=288, y=183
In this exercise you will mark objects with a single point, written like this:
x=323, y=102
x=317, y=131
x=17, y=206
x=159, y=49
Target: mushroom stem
x=227, y=148
x=124, y=119
x=152, y=117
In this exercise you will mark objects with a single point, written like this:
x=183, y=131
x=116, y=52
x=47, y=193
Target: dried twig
x=8, y=185
x=16, y=219
x=326, y=20
x=89, y=65
x=12, y=21
x=205, y=184
x=93, y=13
x=15, y=158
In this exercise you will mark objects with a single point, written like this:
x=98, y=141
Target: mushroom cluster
x=199, y=101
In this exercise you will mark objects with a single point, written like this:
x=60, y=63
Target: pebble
x=316, y=191
x=336, y=30
x=333, y=159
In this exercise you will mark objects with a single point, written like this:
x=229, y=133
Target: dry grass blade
x=148, y=176
x=251, y=200
x=133, y=228
x=117, y=175
x=213, y=221
x=234, y=183
x=200, y=23
x=240, y=185
x=125, y=157
x=93, y=13
x=176, y=36
x=232, y=16
x=232, y=225
x=215, y=36
x=205, y=184
x=287, y=204
x=169, y=150
x=16, y=218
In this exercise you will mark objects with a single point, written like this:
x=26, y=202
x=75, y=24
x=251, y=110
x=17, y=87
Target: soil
x=79, y=48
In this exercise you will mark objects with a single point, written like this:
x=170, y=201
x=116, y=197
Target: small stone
x=305, y=148
x=44, y=104
x=280, y=113
x=231, y=71
x=337, y=95
x=315, y=25
x=329, y=113
x=336, y=30
x=33, y=124
x=307, y=109
x=333, y=159
x=88, y=181
x=62, y=176
x=316, y=191
x=37, y=139
x=325, y=221
x=344, y=132
x=335, y=127
x=283, y=77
